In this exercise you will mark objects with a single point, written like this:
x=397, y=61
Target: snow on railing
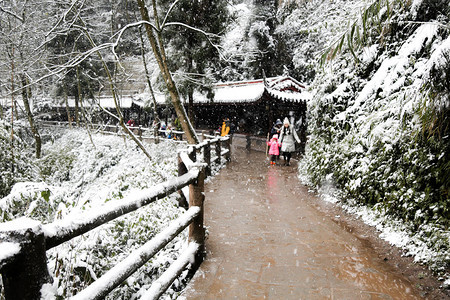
x=24, y=242
x=74, y=225
x=105, y=284
x=140, y=131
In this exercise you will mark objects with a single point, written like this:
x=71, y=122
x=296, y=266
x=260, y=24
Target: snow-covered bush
x=379, y=125
x=15, y=165
x=30, y=199
x=77, y=175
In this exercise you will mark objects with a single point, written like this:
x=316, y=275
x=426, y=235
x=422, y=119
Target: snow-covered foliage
x=238, y=45
x=310, y=26
x=15, y=165
x=379, y=127
x=76, y=175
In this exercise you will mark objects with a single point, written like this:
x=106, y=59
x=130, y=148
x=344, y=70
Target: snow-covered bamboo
x=165, y=280
x=77, y=224
x=114, y=277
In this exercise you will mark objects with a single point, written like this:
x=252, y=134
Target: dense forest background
x=378, y=70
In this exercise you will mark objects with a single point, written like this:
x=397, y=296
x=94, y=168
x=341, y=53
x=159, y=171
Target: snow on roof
x=289, y=96
x=243, y=91
x=283, y=88
x=105, y=102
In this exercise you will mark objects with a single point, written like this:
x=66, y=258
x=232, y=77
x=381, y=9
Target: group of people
x=283, y=138
x=169, y=131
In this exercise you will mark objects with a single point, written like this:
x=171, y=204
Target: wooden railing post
x=25, y=275
x=193, y=154
x=140, y=132
x=196, y=228
x=207, y=158
x=228, y=146
x=182, y=202
x=248, y=146
x=219, y=151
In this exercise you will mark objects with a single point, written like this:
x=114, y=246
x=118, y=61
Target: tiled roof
x=283, y=88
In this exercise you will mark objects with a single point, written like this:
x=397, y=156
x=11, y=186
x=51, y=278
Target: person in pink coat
x=274, y=150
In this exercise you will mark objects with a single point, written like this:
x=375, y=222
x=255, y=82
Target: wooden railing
x=24, y=242
x=143, y=133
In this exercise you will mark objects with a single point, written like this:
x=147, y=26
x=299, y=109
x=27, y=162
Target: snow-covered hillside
x=379, y=123
x=77, y=175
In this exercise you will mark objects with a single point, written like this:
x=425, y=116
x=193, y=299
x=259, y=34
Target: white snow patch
x=8, y=249
x=392, y=69
x=48, y=291
x=21, y=225
x=369, y=53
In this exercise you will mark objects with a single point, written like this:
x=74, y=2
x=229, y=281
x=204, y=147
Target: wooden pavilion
x=253, y=106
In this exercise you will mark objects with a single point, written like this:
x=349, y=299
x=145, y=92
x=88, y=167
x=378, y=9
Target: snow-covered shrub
x=379, y=128
x=15, y=165
x=30, y=199
x=77, y=175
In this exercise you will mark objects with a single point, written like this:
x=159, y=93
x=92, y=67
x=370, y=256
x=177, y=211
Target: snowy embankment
x=379, y=145
x=76, y=176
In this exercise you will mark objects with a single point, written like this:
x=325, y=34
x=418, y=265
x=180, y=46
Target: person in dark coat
x=276, y=127
x=288, y=137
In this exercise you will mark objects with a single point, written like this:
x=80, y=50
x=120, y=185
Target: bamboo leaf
x=324, y=56
x=350, y=47
x=352, y=32
x=388, y=11
x=341, y=43
x=358, y=36
x=335, y=51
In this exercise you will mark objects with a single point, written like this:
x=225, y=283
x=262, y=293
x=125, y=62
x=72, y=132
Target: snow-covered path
x=267, y=241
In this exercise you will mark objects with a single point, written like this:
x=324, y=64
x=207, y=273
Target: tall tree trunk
x=77, y=101
x=191, y=105
x=26, y=104
x=83, y=112
x=190, y=70
x=12, y=109
x=77, y=107
x=159, y=52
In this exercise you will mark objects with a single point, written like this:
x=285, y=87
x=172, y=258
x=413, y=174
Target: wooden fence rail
x=24, y=242
x=140, y=131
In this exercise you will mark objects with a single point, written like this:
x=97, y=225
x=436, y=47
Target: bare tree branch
x=168, y=13
x=11, y=14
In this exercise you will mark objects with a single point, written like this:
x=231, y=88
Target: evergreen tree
x=263, y=31
x=192, y=56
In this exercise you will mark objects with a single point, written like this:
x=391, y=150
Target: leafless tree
x=154, y=36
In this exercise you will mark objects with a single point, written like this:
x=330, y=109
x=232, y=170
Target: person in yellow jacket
x=225, y=127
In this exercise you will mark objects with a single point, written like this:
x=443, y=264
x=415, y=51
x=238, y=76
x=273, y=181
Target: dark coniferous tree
x=193, y=58
x=263, y=31
x=275, y=53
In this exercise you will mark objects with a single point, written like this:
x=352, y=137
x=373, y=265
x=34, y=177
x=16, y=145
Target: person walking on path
x=288, y=137
x=276, y=127
x=274, y=150
x=225, y=127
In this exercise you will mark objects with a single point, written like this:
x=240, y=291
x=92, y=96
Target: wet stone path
x=267, y=241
